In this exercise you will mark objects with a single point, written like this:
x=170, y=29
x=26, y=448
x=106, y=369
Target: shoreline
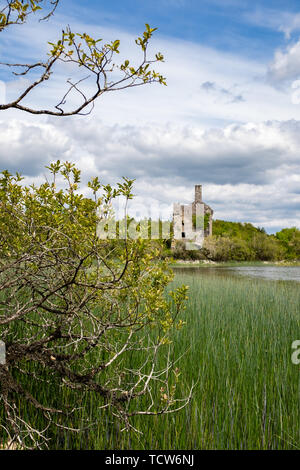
x=224, y=264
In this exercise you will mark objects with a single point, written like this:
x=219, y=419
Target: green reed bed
x=236, y=345
x=240, y=333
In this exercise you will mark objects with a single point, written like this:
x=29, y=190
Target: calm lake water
x=276, y=273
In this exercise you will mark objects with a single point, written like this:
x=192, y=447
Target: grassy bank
x=236, y=346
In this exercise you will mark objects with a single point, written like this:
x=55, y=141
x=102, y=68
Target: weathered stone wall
x=183, y=217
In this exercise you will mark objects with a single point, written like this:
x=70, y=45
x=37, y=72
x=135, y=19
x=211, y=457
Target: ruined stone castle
x=187, y=220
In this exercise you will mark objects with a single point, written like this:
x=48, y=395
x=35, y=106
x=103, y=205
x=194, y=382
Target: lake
x=275, y=273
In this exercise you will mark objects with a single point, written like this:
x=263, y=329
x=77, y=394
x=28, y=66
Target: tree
x=290, y=240
x=79, y=312
x=77, y=50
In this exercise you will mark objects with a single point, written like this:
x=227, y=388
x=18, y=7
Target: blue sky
x=229, y=117
x=229, y=25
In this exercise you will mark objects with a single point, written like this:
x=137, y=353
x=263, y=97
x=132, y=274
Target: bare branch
x=82, y=51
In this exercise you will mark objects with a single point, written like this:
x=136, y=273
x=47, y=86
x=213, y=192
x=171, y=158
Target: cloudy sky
x=229, y=118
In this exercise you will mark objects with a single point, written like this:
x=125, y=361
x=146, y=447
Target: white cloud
x=291, y=24
x=245, y=153
x=229, y=95
x=274, y=19
x=27, y=147
x=286, y=64
x=187, y=67
x=250, y=172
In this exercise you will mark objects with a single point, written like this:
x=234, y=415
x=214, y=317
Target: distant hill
x=242, y=230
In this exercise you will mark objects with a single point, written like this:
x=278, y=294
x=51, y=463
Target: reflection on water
x=276, y=273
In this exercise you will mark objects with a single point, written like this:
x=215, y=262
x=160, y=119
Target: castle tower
x=183, y=215
x=198, y=193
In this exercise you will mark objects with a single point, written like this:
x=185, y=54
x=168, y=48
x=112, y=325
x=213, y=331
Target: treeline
x=231, y=241
x=235, y=241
